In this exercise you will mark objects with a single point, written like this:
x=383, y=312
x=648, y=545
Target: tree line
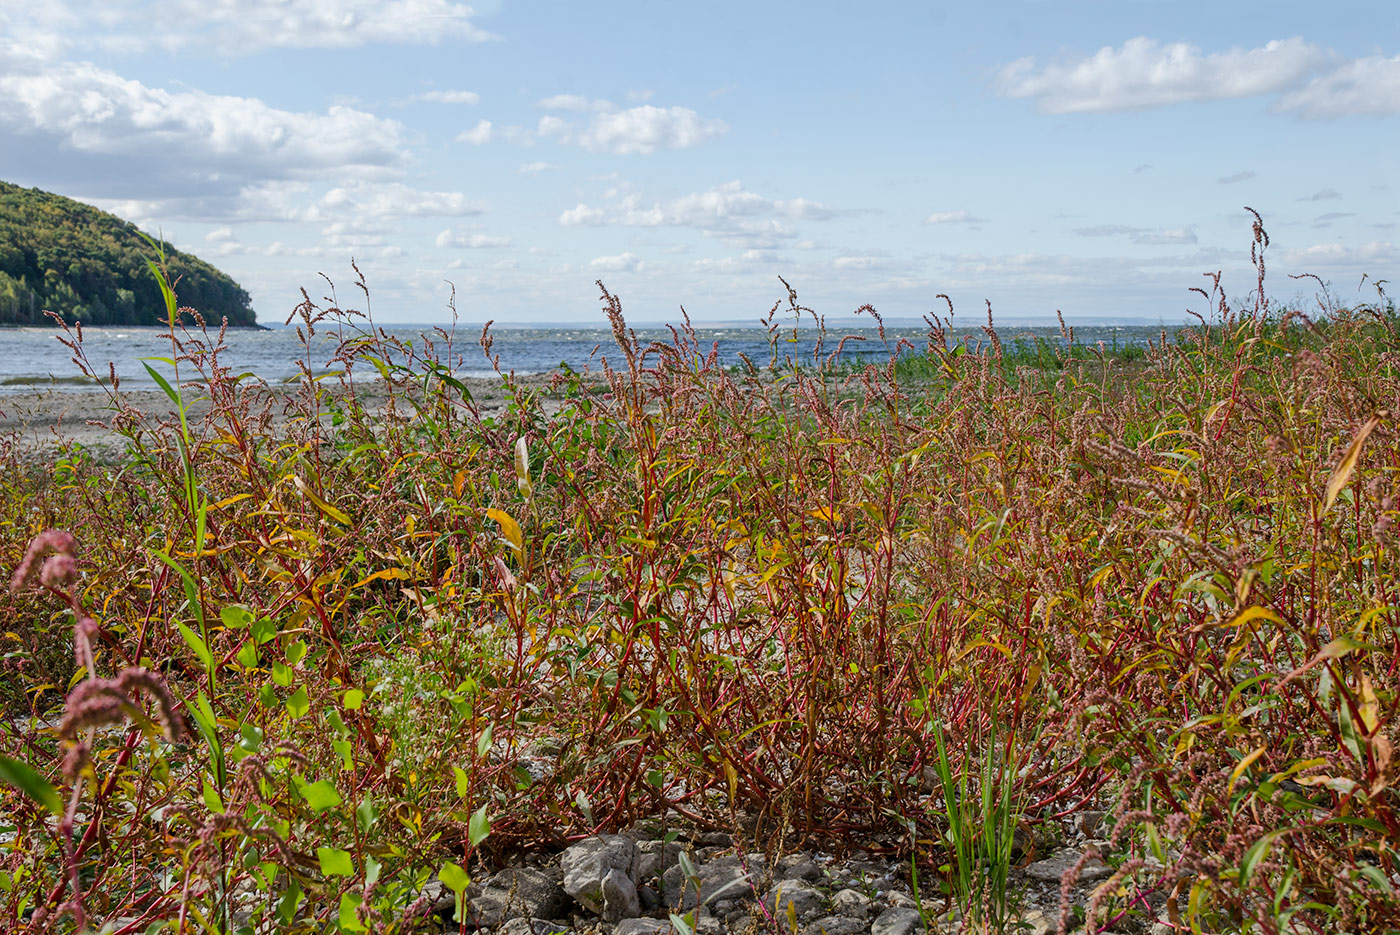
x=63, y=256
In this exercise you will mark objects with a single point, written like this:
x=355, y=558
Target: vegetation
x=322, y=664
x=62, y=256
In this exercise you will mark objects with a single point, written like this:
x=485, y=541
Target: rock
x=721, y=878
x=643, y=927
x=1052, y=868
x=851, y=903
x=656, y=857
x=521, y=893
x=793, y=898
x=1035, y=922
x=897, y=920
x=714, y=839
x=1088, y=821
x=798, y=867
x=836, y=925
x=902, y=899
x=600, y=872
x=533, y=927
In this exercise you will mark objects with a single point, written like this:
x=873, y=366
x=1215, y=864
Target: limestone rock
x=1052, y=868
x=793, y=897
x=897, y=920
x=600, y=873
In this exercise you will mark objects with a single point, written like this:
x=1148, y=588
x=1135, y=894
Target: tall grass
x=409, y=640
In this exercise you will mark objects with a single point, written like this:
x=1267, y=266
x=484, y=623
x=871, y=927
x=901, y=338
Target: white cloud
x=219, y=139
x=470, y=241
x=1143, y=74
x=1338, y=257
x=532, y=168
x=624, y=262
x=1141, y=235
x=449, y=97
x=727, y=210
x=220, y=235
x=637, y=130
x=960, y=216
x=392, y=200
x=575, y=102
x=1361, y=86
x=249, y=26
x=582, y=216
x=1167, y=235
x=477, y=135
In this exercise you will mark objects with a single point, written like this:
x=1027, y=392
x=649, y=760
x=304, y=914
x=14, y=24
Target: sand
x=42, y=421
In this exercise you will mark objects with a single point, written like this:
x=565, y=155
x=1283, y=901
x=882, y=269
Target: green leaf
x=682, y=923
x=483, y=742
x=248, y=655
x=162, y=382
x=201, y=649
x=211, y=797
x=281, y=674
x=454, y=877
x=335, y=862
x=365, y=816
x=296, y=652
x=463, y=783
x=479, y=826
x=353, y=699
x=342, y=749
x=372, y=868
x=287, y=906
x=320, y=795
x=24, y=778
x=264, y=629
x=236, y=617
x=1256, y=854
x=298, y=704
x=349, y=902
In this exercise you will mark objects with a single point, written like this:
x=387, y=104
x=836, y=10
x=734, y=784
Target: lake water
x=33, y=358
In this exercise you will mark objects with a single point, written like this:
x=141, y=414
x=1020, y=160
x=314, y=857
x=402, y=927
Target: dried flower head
x=49, y=542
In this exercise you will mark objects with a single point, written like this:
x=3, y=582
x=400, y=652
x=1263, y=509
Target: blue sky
x=1093, y=157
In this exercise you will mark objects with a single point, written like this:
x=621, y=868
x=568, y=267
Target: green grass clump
x=934, y=604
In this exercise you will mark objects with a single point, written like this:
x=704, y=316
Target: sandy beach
x=41, y=421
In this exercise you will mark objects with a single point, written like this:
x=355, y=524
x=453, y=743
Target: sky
x=1090, y=157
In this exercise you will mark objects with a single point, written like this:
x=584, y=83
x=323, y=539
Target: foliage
x=409, y=639
x=88, y=266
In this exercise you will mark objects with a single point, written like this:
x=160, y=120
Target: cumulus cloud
x=80, y=110
x=1143, y=74
x=249, y=26
x=636, y=130
x=575, y=102
x=582, y=216
x=533, y=168
x=449, y=238
x=727, y=210
x=1141, y=235
x=1361, y=86
x=960, y=216
x=449, y=97
x=392, y=200
x=623, y=262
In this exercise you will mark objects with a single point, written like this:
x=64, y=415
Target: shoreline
x=42, y=421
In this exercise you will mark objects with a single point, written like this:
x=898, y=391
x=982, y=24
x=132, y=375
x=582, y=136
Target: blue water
x=33, y=358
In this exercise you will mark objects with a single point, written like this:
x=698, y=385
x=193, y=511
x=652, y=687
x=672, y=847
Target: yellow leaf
x=509, y=528
x=1244, y=764
x=1348, y=463
x=334, y=513
x=1252, y=613
x=826, y=513
x=397, y=574
x=227, y=501
x=1370, y=707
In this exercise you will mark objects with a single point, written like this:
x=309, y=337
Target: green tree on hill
x=60, y=255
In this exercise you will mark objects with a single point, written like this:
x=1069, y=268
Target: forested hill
x=60, y=255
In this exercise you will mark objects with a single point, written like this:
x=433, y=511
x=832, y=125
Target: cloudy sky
x=1093, y=157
